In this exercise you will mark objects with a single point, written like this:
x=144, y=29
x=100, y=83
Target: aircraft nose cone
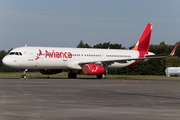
x=7, y=61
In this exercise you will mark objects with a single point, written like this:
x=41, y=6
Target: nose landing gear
x=24, y=74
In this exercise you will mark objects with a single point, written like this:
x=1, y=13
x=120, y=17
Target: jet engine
x=92, y=69
x=50, y=71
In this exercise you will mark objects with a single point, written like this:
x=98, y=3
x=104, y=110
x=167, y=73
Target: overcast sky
x=63, y=23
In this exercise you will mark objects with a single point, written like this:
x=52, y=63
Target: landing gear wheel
x=23, y=77
x=72, y=75
x=24, y=74
x=101, y=76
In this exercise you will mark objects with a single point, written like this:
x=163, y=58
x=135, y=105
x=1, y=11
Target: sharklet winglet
x=173, y=51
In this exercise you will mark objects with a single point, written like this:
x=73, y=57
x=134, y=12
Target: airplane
x=53, y=60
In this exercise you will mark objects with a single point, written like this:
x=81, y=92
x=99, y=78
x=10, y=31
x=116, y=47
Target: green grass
x=64, y=75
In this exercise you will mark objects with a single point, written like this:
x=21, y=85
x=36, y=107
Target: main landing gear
x=24, y=74
x=101, y=76
x=72, y=75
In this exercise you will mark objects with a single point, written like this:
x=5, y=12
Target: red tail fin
x=143, y=43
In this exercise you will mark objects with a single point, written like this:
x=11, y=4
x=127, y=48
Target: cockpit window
x=11, y=53
x=15, y=53
x=20, y=53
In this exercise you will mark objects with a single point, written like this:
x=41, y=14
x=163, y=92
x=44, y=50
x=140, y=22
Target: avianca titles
x=52, y=60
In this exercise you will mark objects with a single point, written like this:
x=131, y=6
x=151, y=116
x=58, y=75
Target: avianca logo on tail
x=54, y=54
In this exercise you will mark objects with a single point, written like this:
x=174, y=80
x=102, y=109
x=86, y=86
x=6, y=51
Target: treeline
x=150, y=67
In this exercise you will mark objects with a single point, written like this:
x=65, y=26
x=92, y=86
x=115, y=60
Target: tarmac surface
x=88, y=99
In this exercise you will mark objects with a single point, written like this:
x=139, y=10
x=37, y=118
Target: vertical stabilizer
x=144, y=40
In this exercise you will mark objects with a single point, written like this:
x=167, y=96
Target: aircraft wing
x=129, y=59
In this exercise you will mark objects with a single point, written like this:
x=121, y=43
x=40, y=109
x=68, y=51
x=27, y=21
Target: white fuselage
x=65, y=58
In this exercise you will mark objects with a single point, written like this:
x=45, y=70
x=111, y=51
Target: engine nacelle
x=92, y=69
x=50, y=71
